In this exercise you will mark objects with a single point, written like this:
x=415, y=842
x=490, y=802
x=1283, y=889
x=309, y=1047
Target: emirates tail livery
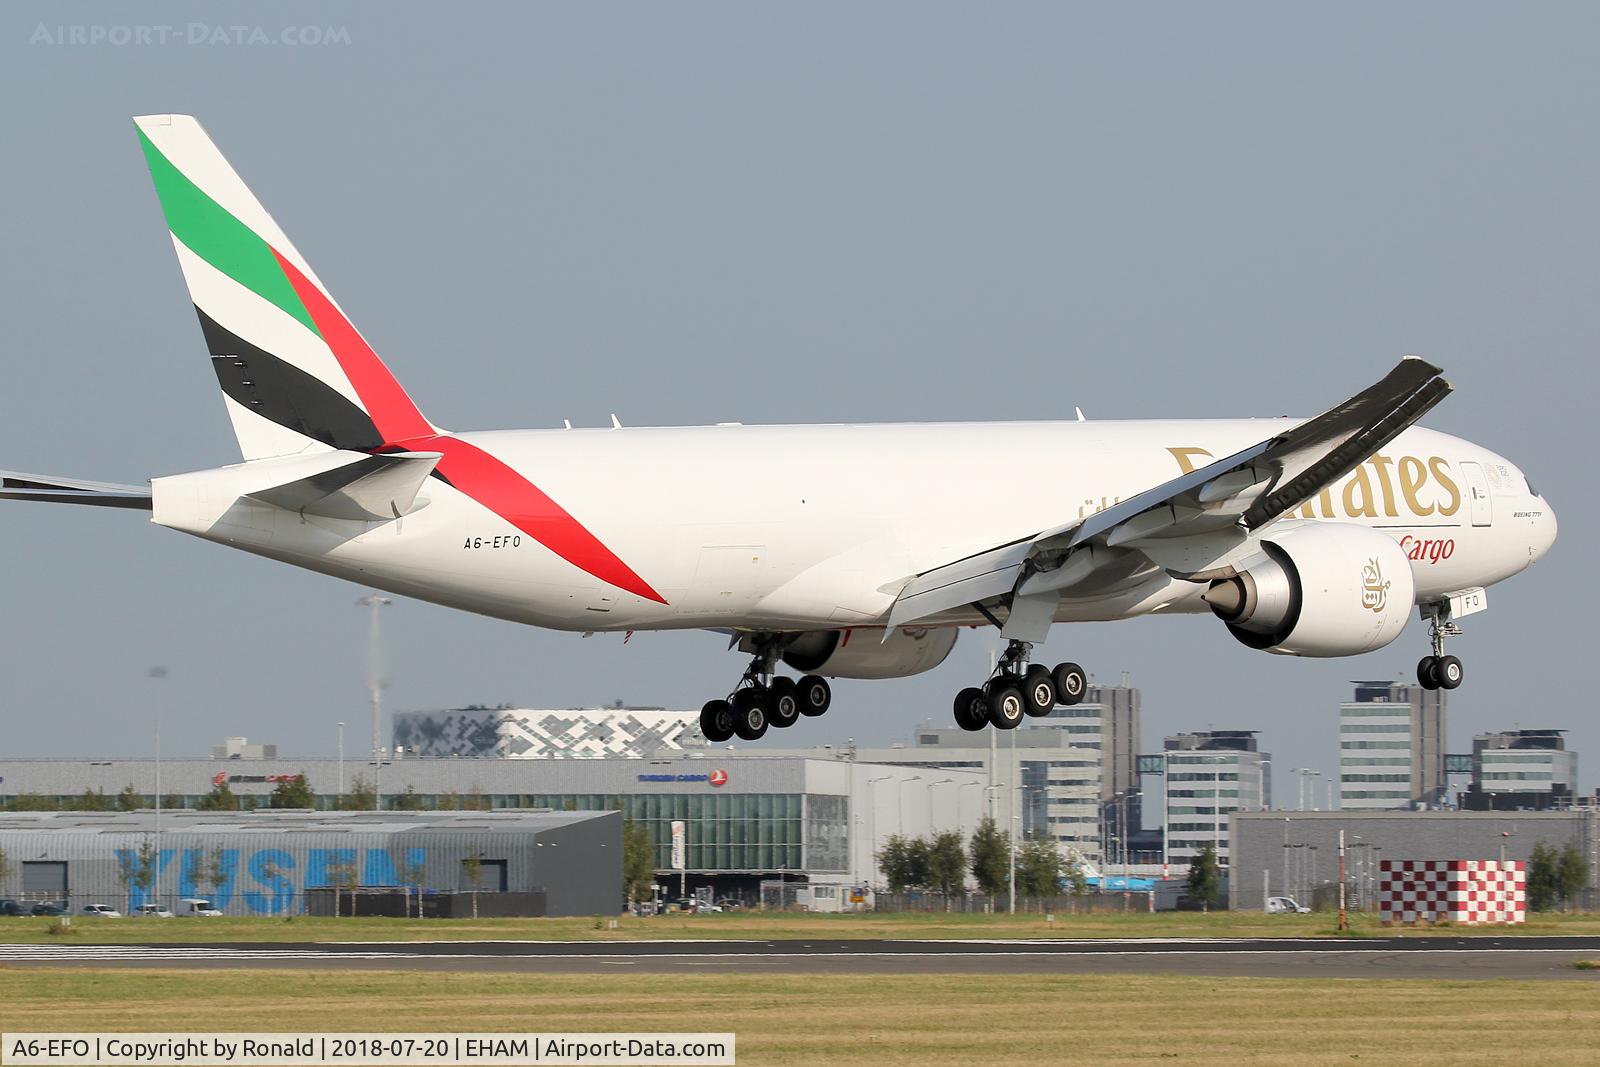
x=840, y=551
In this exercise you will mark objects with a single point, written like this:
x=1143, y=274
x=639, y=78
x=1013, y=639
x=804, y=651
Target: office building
x=1108, y=721
x=1521, y=770
x=1207, y=777
x=1392, y=747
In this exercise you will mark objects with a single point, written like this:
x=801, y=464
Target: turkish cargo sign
x=717, y=778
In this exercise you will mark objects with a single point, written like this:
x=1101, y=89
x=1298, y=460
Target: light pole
x=899, y=804
x=341, y=759
x=158, y=673
x=375, y=688
x=931, y=787
x=959, y=788
x=872, y=827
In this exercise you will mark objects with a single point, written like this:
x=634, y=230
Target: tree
x=293, y=792
x=473, y=867
x=410, y=800
x=1541, y=879
x=130, y=799
x=35, y=802
x=411, y=874
x=138, y=870
x=947, y=864
x=904, y=862
x=1038, y=867
x=1077, y=880
x=362, y=796
x=221, y=798
x=638, y=860
x=1572, y=873
x=343, y=876
x=5, y=869
x=990, y=857
x=1205, y=878
x=91, y=800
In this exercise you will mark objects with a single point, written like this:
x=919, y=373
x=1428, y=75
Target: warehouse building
x=1297, y=853
x=275, y=862
x=747, y=818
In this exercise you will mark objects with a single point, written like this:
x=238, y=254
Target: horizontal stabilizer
x=51, y=489
x=364, y=489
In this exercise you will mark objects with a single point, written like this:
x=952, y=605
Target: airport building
x=1108, y=721
x=749, y=818
x=1043, y=777
x=1521, y=770
x=526, y=733
x=1392, y=748
x=275, y=862
x=1296, y=853
x=1207, y=777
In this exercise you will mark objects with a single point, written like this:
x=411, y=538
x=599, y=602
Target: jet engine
x=1318, y=589
x=862, y=653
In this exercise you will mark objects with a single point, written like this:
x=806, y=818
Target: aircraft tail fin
x=297, y=376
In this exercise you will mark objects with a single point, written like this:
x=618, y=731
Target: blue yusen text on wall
x=264, y=881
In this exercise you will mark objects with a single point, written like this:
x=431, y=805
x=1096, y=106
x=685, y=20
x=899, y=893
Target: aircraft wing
x=14, y=486
x=1184, y=525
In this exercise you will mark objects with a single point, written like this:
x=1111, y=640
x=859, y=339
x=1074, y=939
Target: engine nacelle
x=862, y=653
x=1318, y=589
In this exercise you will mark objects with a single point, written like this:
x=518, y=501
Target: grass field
x=757, y=926
x=904, y=1019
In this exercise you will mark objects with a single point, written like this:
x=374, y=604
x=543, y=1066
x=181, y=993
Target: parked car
x=11, y=907
x=729, y=904
x=49, y=907
x=152, y=911
x=105, y=911
x=1285, y=906
x=196, y=906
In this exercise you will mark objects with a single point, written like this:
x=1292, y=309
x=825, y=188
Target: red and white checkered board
x=1460, y=891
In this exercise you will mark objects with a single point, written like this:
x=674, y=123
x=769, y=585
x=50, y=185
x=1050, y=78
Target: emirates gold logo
x=1374, y=587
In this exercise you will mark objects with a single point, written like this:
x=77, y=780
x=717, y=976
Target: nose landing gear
x=1018, y=690
x=763, y=699
x=1439, y=671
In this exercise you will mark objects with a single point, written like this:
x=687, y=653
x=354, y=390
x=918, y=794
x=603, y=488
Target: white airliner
x=840, y=551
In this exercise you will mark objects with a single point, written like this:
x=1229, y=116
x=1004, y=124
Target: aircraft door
x=1478, y=494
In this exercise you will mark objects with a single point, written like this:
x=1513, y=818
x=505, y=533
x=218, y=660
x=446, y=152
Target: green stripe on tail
x=211, y=233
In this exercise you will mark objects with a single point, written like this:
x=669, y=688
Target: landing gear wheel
x=1428, y=672
x=1006, y=703
x=716, y=721
x=1038, y=690
x=750, y=713
x=814, y=694
x=1071, y=683
x=972, y=713
x=1450, y=672
x=783, y=703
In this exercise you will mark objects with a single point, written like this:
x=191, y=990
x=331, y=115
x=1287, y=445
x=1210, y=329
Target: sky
x=691, y=213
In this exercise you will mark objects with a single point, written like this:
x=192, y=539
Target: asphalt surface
x=1399, y=957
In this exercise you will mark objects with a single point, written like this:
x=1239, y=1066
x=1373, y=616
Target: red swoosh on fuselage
x=468, y=468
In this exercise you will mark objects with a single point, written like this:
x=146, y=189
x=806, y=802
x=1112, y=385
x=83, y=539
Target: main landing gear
x=1017, y=690
x=763, y=699
x=1440, y=671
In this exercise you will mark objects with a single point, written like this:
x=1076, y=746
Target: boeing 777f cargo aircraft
x=839, y=551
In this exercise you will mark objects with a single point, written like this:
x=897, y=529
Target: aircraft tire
x=972, y=713
x=750, y=713
x=783, y=703
x=1006, y=704
x=1450, y=672
x=816, y=696
x=1039, y=689
x=1071, y=683
x=1428, y=672
x=716, y=721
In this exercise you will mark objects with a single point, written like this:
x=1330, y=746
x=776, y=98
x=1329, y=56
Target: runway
x=1397, y=957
